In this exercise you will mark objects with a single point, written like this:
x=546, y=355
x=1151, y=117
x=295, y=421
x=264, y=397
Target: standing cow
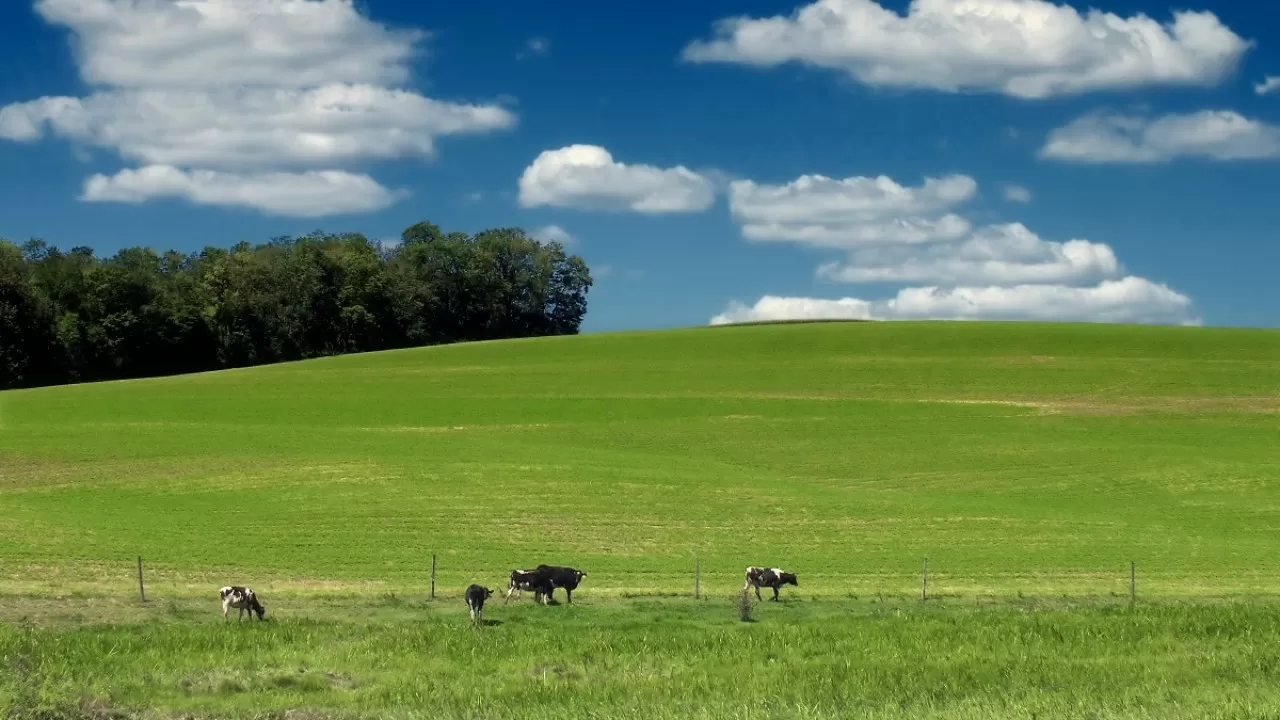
x=551, y=577
x=522, y=580
x=476, y=595
x=758, y=577
x=241, y=598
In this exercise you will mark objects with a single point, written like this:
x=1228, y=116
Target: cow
x=758, y=577
x=241, y=598
x=476, y=595
x=551, y=577
x=522, y=580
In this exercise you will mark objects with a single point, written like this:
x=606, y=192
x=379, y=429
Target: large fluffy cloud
x=889, y=233
x=821, y=211
x=253, y=127
x=1114, y=138
x=251, y=89
x=310, y=194
x=1126, y=300
x=1022, y=48
x=587, y=177
x=1007, y=254
x=895, y=233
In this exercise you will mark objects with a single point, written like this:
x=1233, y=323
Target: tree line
x=74, y=317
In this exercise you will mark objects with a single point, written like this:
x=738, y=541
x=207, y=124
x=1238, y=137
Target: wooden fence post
x=697, y=578
x=924, y=581
x=433, y=576
x=142, y=593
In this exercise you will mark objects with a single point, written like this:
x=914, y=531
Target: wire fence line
x=695, y=590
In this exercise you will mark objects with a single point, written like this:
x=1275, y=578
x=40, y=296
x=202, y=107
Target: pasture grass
x=1029, y=463
x=661, y=659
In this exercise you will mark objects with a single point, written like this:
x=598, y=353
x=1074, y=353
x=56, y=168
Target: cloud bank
x=1028, y=49
x=889, y=233
x=203, y=93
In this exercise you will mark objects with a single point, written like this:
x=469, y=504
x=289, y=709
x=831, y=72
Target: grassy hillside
x=1033, y=458
x=1022, y=460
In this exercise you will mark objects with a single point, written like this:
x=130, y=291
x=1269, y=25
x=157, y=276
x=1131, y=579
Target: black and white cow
x=550, y=577
x=758, y=577
x=241, y=598
x=476, y=595
x=522, y=580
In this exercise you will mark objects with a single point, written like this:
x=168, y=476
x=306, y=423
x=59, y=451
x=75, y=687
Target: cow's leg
x=569, y=594
x=775, y=593
x=225, y=608
x=757, y=588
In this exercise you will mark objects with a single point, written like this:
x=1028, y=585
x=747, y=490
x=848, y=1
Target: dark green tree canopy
x=73, y=317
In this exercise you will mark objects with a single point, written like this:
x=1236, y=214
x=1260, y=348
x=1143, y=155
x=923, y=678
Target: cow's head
x=787, y=578
x=259, y=608
x=487, y=593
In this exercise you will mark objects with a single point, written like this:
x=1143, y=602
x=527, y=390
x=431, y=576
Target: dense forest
x=74, y=317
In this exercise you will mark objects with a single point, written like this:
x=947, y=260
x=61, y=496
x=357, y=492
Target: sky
x=713, y=162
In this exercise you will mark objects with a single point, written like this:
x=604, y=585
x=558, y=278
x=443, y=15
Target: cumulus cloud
x=1022, y=48
x=914, y=235
x=1005, y=254
x=1114, y=138
x=1126, y=300
x=825, y=212
x=1269, y=84
x=253, y=127
x=587, y=177
x=250, y=89
x=1017, y=193
x=316, y=193
x=554, y=233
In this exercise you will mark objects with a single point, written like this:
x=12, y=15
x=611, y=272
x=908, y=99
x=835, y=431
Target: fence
x=697, y=580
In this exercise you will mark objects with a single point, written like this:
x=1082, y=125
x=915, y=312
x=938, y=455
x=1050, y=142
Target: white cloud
x=1269, y=84
x=1016, y=193
x=1002, y=254
x=1127, y=300
x=903, y=235
x=587, y=177
x=254, y=88
x=1113, y=138
x=317, y=193
x=554, y=233
x=894, y=233
x=824, y=212
x=1022, y=48
x=253, y=127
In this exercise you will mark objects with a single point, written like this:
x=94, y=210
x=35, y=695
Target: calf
x=476, y=595
x=555, y=576
x=758, y=577
x=522, y=580
x=241, y=598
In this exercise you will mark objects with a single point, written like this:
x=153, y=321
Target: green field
x=1029, y=463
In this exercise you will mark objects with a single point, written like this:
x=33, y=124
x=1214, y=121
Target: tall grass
x=671, y=660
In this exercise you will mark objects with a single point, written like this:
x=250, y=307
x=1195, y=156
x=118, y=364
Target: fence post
x=1133, y=583
x=433, y=576
x=142, y=593
x=697, y=578
x=924, y=581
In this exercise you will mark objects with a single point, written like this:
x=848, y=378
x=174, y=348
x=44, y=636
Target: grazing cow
x=476, y=595
x=758, y=577
x=522, y=580
x=241, y=598
x=551, y=577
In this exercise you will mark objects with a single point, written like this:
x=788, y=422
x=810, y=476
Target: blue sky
x=832, y=159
